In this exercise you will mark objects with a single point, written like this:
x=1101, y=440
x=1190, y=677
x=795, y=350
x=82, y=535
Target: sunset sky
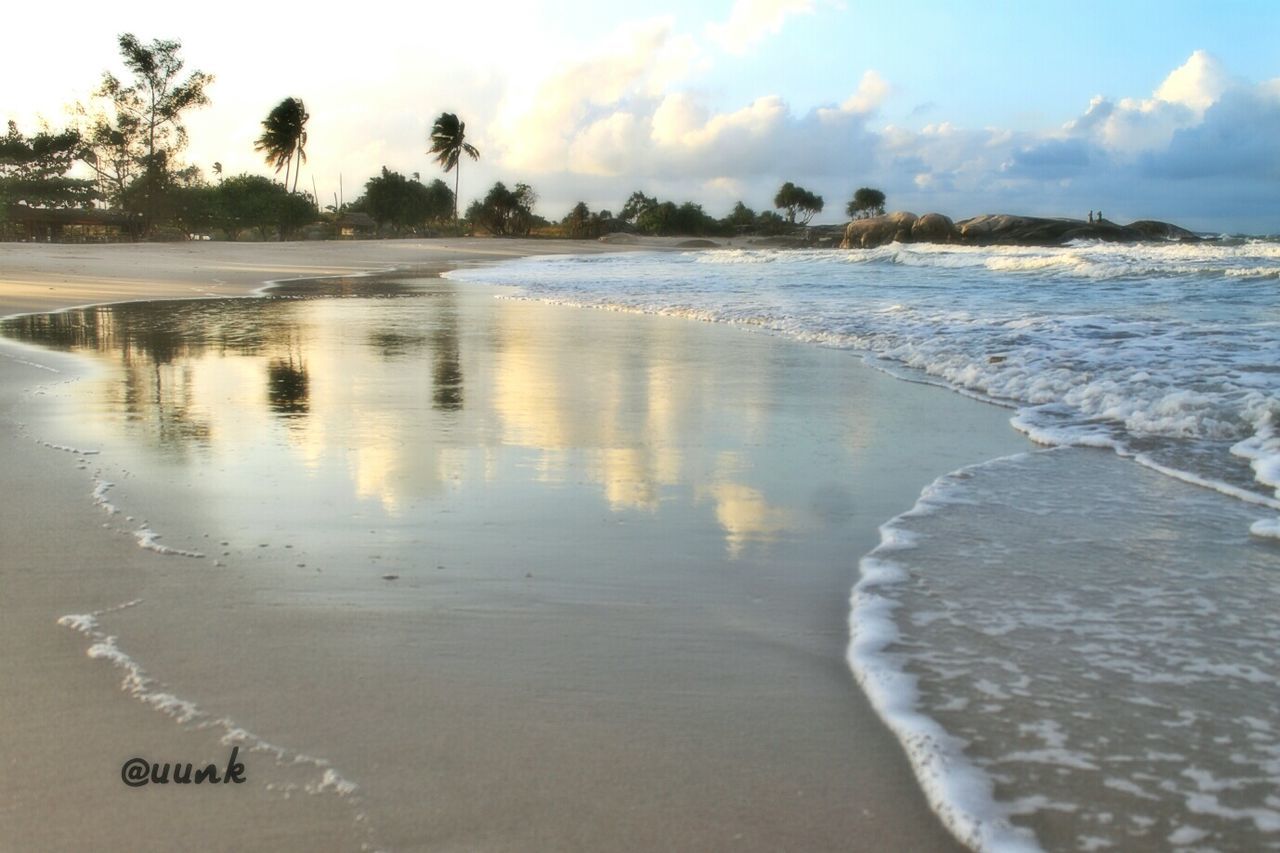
x=1164, y=109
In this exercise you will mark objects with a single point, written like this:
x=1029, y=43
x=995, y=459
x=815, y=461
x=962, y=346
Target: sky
x=1166, y=110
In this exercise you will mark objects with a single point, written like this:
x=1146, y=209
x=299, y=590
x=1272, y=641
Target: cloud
x=1236, y=137
x=751, y=21
x=1135, y=125
x=631, y=116
x=590, y=98
x=1198, y=83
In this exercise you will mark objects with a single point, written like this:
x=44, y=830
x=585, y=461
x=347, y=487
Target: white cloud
x=751, y=21
x=605, y=126
x=573, y=105
x=872, y=91
x=1197, y=83
x=1135, y=125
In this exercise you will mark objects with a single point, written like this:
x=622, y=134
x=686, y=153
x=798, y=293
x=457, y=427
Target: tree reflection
x=446, y=379
x=288, y=386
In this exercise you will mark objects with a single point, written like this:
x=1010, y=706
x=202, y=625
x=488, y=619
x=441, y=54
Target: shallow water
x=1027, y=647
x=1077, y=651
x=1169, y=352
x=387, y=411
x=1109, y=666
x=442, y=535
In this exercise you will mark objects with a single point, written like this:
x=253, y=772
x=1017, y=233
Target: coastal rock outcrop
x=933, y=228
x=878, y=230
x=1002, y=229
x=1157, y=230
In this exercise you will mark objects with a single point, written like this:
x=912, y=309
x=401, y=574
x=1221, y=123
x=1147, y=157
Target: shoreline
x=897, y=806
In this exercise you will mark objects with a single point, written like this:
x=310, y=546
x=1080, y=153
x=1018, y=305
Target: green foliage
x=284, y=137
x=798, y=203
x=448, y=144
x=33, y=170
x=253, y=201
x=504, y=212
x=581, y=223
x=577, y=222
x=392, y=199
x=770, y=223
x=193, y=207
x=740, y=218
x=636, y=205
x=666, y=218
x=137, y=131
x=866, y=203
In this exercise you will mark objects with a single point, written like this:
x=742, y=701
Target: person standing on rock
x=1091, y=217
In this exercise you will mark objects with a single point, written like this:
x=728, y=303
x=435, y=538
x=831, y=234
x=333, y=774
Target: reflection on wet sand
x=386, y=401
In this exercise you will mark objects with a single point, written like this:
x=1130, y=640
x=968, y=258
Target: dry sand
x=721, y=716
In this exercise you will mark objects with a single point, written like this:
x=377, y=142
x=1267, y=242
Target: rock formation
x=1001, y=230
x=878, y=230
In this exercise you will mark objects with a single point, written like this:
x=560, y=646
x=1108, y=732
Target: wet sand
x=616, y=678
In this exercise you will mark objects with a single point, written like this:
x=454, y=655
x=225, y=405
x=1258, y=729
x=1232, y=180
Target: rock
x=933, y=228
x=878, y=230
x=697, y=244
x=1153, y=229
x=1002, y=229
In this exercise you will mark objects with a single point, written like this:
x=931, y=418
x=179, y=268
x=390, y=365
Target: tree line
x=131, y=135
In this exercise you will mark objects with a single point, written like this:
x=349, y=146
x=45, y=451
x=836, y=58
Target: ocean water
x=1077, y=647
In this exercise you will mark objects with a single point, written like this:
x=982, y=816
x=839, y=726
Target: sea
x=1078, y=647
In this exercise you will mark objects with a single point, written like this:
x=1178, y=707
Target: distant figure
x=1091, y=217
x=1099, y=215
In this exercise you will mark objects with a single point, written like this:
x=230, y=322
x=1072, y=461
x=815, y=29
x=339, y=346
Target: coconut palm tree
x=449, y=143
x=284, y=136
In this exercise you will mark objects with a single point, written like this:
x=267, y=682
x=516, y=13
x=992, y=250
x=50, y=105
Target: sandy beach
x=622, y=676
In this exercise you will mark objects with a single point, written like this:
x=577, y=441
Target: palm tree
x=449, y=143
x=284, y=136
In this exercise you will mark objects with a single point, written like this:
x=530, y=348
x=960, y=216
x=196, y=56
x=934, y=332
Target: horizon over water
x=1076, y=646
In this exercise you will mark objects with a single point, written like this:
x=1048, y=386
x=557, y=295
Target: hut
x=356, y=226
x=64, y=225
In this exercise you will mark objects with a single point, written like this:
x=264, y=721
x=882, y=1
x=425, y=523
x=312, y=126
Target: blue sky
x=1143, y=109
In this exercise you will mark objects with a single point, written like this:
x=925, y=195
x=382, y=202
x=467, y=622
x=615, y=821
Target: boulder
x=1152, y=229
x=1002, y=229
x=933, y=228
x=878, y=230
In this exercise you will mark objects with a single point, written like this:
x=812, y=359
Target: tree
x=252, y=201
x=142, y=132
x=577, y=222
x=741, y=218
x=284, y=136
x=193, y=206
x=866, y=203
x=637, y=204
x=448, y=144
x=769, y=223
x=504, y=212
x=797, y=202
x=33, y=170
x=440, y=203
x=393, y=199
x=582, y=223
